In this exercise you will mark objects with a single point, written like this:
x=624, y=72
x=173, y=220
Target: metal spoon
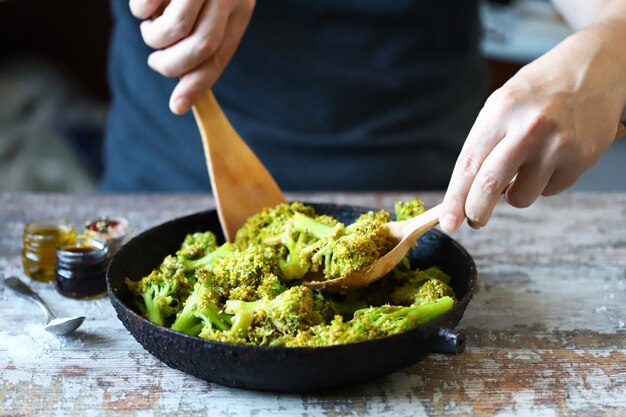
x=58, y=326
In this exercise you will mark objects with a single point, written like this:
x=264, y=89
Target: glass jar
x=113, y=230
x=81, y=268
x=39, y=243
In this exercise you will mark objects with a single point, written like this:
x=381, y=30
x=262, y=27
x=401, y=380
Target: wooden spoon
x=241, y=184
x=406, y=232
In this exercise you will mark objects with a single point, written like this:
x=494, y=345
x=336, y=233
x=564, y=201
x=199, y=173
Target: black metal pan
x=279, y=368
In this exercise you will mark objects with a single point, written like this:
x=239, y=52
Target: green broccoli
x=246, y=293
x=408, y=209
x=342, y=250
x=270, y=222
x=207, y=260
x=160, y=295
x=202, y=309
x=196, y=245
x=422, y=288
x=370, y=323
x=289, y=312
x=241, y=272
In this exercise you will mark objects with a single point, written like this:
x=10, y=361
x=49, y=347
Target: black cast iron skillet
x=280, y=368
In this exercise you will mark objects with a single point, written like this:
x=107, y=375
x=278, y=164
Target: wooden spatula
x=241, y=184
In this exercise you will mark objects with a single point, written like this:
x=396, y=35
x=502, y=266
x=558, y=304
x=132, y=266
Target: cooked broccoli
x=159, y=296
x=196, y=245
x=270, y=222
x=240, y=273
x=246, y=292
x=423, y=287
x=342, y=250
x=370, y=323
x=289, y=312
x=208, y=259
x=201, y=309
x=408, y=209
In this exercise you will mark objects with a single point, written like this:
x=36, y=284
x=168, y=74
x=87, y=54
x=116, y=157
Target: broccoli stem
x=312, y=227
x=238, y=306
x=241, y=324
x=293, y=267
x=426, y=312
x=196, y=314
x=207, y=260
x=152, y=308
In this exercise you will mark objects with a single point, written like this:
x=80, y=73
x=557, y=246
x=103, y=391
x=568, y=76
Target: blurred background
x=54, y=92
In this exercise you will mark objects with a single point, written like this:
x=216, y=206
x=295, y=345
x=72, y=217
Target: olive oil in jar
x=39, y=244
x=81, y=268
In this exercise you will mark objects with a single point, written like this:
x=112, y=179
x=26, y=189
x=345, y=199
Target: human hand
x=542, y=130
x=195, y=40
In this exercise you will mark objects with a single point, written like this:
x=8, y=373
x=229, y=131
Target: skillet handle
x=447, y=341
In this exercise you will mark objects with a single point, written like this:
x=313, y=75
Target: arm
x=549, y=123
x=195, y=40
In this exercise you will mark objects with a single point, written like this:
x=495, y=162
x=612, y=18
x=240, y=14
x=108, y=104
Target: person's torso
x=357, y=94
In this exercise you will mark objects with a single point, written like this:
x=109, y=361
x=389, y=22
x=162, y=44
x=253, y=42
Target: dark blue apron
x=331, y=95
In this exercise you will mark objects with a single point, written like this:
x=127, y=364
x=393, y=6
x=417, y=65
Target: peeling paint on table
x=546, y=330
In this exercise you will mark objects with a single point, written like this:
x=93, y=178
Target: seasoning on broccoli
x=371, y=323
x=248, y=291
x=422, y=287
x=408, y=209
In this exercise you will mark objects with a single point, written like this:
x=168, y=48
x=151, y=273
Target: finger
x=190, y=52
x=197, y=82
x=529, y=183
x=561, y=180
x=176, y=22
x=486, y=133
x=494, y=175
x=143, y=9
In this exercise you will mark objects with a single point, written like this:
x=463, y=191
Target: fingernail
x=151, y=59
x=449, y=223
x=181, y=105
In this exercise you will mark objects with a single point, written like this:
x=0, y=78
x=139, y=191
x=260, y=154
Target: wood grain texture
x=546, y=330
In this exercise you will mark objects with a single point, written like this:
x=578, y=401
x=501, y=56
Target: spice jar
x=81, y=268
x=113, y=230
x=39, y=242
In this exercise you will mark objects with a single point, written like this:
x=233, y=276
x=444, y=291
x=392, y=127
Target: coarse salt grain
x=34, y=343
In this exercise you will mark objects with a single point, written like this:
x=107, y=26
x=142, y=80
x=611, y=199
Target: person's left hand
x=543, y=129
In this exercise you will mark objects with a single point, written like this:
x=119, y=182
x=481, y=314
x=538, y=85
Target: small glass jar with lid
x=112, y=229
x=81, y=268
x=39, y=243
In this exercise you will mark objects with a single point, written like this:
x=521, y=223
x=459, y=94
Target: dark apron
x=331, y=95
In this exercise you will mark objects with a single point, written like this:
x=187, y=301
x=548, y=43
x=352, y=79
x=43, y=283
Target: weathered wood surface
x=546, y=330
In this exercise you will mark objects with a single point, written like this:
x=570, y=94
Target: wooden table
x=546, y=330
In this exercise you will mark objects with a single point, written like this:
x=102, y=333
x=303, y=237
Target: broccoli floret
x=159, y=295
x=291, y=311
x=196, y=245
x=270, y=222
x=208, y=260
x=370, y=323
x=270, y=287
x=239, y=273
x=421, y=289
x=408, y=209
x=342, y=250
x=202, y=309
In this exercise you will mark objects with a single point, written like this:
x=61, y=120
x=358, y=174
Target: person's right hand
x=195, y=40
